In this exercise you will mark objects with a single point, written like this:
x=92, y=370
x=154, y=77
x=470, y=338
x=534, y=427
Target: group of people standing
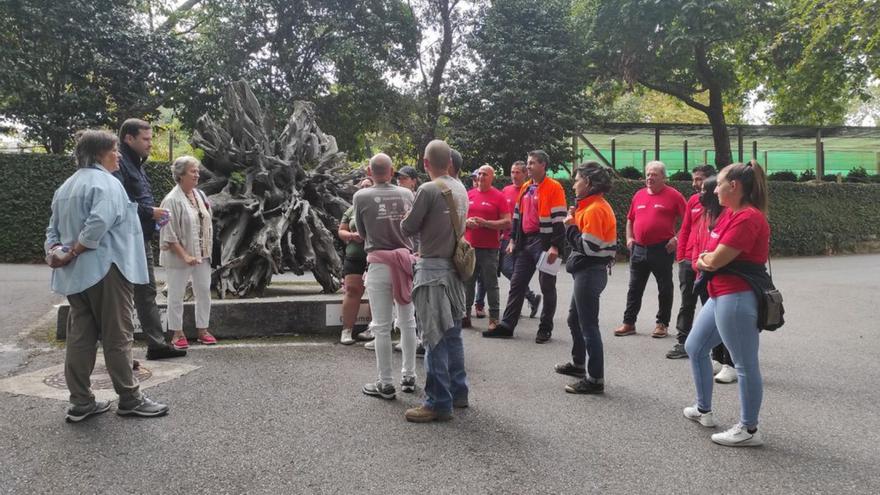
x=99, y=244
x=400, y=241
x=528, y=227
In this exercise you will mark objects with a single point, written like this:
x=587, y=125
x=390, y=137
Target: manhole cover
x=100, y=378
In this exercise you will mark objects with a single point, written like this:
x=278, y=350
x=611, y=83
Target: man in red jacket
x=684, y=256
x=650, y=238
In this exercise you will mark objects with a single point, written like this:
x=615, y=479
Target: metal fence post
x=614, y=154
x=644, y=159
x=766, y=162
x=754, y=150
x=685, y=155
x=739, y=143
x=705, y=156
x=170, y=145
x=657, y=143
x=820, y=164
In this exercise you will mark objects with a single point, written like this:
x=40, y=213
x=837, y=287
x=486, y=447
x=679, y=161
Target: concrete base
x=316, y=314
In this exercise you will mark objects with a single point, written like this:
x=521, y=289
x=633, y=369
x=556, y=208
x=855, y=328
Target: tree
x=684, y=48
x=822, y=57
x=335, y=53
x=65, y=66
x=526, y=90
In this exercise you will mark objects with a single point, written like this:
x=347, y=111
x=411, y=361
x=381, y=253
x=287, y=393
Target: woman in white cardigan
x=186, y=244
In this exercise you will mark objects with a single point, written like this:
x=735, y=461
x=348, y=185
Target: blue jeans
x=583, y=319
x=444, y=366
x=733, y=320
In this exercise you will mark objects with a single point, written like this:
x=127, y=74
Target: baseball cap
x=407, y=171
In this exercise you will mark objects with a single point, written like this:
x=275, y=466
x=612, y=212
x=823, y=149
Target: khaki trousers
x=103, y=311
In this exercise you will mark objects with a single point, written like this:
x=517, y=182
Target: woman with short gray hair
x=186, y=244
x=95, y=246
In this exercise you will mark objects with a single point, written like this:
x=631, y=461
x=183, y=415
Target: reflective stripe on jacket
x=551, y=214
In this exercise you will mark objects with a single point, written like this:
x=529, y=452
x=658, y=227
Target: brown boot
x=424, y=414
x=624, y=330
x=660, y=331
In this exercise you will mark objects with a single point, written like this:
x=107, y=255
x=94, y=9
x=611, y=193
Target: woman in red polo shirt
x=741, y=236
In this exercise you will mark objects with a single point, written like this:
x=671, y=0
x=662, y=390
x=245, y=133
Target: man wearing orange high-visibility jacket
x=538, y=218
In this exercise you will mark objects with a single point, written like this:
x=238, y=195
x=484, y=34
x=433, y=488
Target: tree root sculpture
x=276, y=199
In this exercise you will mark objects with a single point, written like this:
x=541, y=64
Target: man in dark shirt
x=135, y=142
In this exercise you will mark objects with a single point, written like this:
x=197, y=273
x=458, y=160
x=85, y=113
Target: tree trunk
x=276, y=199
x=433, y=89
x=720, y=135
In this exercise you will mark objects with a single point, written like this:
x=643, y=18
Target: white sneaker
x=346, y=339
x=365, y=336
x=738, y=436
x=705, y=419
x=716, y=367
x=726, y=375
x=371, y=345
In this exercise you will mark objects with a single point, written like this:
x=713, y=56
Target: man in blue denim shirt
x=94, y=245
x=135, y=142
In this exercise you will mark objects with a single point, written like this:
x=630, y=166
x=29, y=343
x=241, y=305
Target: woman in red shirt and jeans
x=731, y=314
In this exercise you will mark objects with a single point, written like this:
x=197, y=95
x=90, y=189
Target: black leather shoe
x=534, y=305
x=585, y=387
x=165, y=353
x=543, y=337
x=500, y=332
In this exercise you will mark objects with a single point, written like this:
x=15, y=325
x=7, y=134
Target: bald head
x=485, y=177
x=380, y=166
x=438, y=158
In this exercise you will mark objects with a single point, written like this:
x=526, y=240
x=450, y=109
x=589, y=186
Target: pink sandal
x=207, y=339
x=180, y=343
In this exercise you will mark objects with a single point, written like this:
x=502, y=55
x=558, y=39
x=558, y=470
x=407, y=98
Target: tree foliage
x=335, y=53
x=684, y=48
x=821, y=58
x=526, y=88
x=69, y=65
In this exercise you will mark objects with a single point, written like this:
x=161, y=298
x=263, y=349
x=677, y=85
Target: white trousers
x=201, y=284
x=382, y=305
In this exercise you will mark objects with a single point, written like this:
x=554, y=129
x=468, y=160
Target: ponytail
x=754, y=183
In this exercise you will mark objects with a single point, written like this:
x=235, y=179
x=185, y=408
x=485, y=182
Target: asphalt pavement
x=283, y=416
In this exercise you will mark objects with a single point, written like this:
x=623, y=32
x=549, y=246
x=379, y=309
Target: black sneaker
x=408, y=384
x=500, y=332
x=542, y=337
x=386, y=392
x=165, y=353
x=466, y=322
x=146, y=408
x=420, y=351
x=570, y=370
x=460, y=403
x=534, y=305
x=75, y=414
x=677, y=352
x=585, y=387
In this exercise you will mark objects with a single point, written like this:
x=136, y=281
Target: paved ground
x=289, y=417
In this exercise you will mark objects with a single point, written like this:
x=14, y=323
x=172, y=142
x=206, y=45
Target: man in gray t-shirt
x=378, y=213
x=438, y=292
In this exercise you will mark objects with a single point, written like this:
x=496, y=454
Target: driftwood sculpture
x=276, y=199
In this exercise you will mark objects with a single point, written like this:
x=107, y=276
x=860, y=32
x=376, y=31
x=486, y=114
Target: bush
x=630, y=173
x=858, y=174
x=783, y=176
x=807, y=219
x=829, y=178
x=681, y=175
x=29, y=182
x=807, y=175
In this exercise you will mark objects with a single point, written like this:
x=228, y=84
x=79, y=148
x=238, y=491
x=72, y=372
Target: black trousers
x=685, y=320
x=145, y=304
x=524, y=267
x=644, y=262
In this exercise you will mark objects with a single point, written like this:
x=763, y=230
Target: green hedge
x=27, y=183
x=806, y=218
